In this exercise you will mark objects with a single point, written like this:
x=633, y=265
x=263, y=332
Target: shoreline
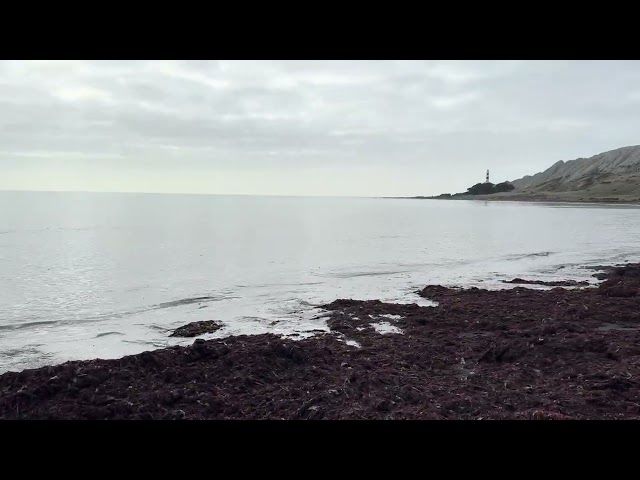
x=529, y=199
x=520, y=353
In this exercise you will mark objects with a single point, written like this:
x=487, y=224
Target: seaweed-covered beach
x=521, y=353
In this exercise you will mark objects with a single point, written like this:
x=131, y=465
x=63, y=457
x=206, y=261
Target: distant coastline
x=611, y=177
x=519, y=197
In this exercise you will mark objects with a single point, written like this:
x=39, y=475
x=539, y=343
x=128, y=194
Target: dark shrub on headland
x=489, y=188
x=503, y=187
x=486, y=188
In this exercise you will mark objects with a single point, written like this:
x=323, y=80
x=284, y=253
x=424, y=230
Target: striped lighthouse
x=487, y=179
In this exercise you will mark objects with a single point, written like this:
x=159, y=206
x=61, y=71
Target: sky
x=345, y=128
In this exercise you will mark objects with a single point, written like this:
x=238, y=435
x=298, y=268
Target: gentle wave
x=271, y=285
x=528, y=255
x=116, y=315
x=361, y=274
x=188, y=301
x=108, y=333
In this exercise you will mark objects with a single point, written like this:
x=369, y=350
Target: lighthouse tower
x=487, y=180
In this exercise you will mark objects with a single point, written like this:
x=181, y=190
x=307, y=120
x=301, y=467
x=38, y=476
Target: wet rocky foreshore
x=521, y=353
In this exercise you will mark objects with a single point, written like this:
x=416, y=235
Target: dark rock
x=194, y=329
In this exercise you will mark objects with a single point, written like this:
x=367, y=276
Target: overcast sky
x=305, y=127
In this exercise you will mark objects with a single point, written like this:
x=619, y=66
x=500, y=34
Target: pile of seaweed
x=479, y=354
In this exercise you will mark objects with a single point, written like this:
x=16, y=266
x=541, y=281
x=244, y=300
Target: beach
x=521, y=353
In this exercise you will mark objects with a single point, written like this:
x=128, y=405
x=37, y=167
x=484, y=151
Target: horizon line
x=200, y=193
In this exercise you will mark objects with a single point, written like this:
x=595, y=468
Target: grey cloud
x=441, y=123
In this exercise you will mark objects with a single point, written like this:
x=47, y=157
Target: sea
x=103, y=275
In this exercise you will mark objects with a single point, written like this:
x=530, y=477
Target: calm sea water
x=105, y=275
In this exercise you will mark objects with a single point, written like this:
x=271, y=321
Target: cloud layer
x=305, y=127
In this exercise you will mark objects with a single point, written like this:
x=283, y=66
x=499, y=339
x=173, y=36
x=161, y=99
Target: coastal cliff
x=609, y=177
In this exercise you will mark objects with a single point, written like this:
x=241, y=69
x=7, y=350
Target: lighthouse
x=487, y=179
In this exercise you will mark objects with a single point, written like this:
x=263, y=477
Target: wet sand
x=510, y=354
